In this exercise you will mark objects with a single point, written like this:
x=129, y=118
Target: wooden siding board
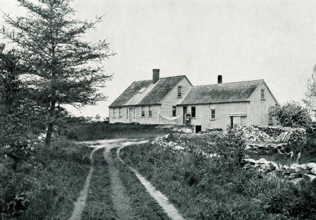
x=258, y=108
x=172, y=99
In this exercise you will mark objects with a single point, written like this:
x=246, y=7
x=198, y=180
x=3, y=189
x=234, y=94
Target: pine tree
x=63, y=68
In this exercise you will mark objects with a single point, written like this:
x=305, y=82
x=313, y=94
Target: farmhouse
x=174, y=100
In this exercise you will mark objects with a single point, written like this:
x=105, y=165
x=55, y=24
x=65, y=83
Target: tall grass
x=214, y=189
x=46, y=185
x=101, y=130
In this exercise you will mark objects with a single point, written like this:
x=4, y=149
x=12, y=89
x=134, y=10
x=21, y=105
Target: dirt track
x=121, y=201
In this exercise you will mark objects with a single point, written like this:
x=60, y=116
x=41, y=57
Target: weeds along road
x=107, y=198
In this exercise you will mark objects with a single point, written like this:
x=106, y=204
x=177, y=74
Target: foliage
x=231, y=148
x=59, y=62
x=102, y=130
x=292, y=114
x=214, y=188
x=44, y=186
x=296, y=201
x=310, y=99
x=19, y=116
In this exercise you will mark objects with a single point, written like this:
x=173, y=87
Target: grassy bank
x=217, y=188
x=101, y=130
x=45, y=185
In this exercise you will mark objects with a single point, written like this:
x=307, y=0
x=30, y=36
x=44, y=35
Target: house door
x=185, y=111
x=231, y=121
x=130, y=115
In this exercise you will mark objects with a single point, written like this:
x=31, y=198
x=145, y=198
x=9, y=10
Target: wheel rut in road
x=161, y=199
x=81, y=201
x=120, y=199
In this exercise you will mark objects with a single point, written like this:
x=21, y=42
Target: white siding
x=258, y=109
x=172, y=99
x=223, y=113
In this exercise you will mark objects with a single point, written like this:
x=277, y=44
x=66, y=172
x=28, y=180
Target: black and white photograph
x=149, y=110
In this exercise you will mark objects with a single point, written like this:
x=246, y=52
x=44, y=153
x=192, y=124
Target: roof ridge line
x=230, y=82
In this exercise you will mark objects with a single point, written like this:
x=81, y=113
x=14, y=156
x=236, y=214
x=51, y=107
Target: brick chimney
x=219, y=79
x=155, y=75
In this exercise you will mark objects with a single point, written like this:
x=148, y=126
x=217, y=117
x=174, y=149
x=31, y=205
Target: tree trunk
x=50, y=127
x=49, y=134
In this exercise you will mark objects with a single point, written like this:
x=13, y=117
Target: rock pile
x=169, y=140
x=252, y=133
x=294, y=173
x=266, y=147
x=271, y=134
x=179, y=142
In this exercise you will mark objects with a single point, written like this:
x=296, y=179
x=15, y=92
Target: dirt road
x=120, y=199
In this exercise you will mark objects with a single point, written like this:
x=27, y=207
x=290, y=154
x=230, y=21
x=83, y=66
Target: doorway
x=198, y=128
x=185, y=111
x=130, y=115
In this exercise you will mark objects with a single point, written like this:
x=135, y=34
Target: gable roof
x=150, y=94
x=221, y=93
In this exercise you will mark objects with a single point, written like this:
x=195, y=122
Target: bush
x=44, y=185
x=292, y=114
x=295, y=201
x=230, y=148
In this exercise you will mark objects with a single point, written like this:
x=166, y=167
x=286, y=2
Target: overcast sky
x=274, y=40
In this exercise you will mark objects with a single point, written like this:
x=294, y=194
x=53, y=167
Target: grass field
x=46, y=185
x=101, y=130
x=216, y=188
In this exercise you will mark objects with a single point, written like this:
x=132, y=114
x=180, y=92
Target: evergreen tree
x=18, y=114
x=62, y=67
x=310, y=100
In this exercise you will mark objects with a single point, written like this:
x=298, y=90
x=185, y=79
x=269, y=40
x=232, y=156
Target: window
x=262, y=95
x=212, y=114
x=143, y=112
x=174, y=111
x=150, y=113
x=126, y=113
x=193, y=111
x=114, y=113
x=135, y=112
x=120, y=112
x=179, y=91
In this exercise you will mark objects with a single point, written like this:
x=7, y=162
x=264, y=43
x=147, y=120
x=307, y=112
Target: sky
x=274, y=40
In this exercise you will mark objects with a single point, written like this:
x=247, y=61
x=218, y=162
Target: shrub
x=43, y=185
x=294, y=201
x=292, y=114
x=231, y=148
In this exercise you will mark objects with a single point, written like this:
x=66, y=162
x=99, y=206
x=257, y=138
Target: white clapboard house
x=174, y=100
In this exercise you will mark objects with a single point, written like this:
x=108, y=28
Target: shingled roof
x=221, y=93
x=146, y=93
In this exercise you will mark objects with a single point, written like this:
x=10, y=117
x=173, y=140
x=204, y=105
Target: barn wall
x=223, y=112
x=258, y=109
